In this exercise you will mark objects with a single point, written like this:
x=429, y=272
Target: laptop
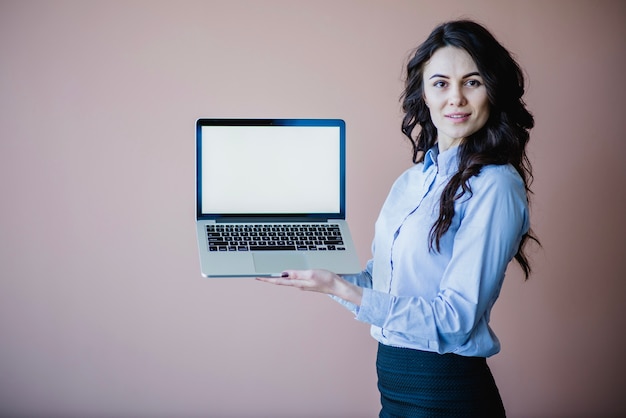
x=270, y=197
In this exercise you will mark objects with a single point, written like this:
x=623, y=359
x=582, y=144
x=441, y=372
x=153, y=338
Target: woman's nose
x=456, y=97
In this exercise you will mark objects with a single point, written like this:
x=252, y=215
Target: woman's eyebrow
x=445, y=76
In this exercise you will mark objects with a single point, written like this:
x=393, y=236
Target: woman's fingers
x=286, y=279
x=315, y=280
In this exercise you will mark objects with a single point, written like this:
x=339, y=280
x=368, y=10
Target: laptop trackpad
x=272, y=263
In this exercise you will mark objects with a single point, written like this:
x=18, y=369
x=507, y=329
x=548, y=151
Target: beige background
x=102, y=308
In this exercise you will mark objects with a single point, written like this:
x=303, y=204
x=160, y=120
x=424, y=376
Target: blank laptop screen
x=270, y=170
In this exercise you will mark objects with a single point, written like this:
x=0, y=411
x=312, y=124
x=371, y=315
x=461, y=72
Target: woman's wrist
x=348, y=291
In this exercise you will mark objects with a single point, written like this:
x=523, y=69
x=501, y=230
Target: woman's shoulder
x=499, y=174
x=413, y=173
x=409, y=181
x=498, y=179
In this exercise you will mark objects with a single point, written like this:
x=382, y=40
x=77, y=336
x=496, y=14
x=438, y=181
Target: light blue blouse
x=419, y=298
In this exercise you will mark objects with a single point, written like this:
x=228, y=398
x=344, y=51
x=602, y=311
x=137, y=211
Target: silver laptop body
x=270, y=196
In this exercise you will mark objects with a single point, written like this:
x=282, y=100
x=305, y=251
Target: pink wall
x=102, y=308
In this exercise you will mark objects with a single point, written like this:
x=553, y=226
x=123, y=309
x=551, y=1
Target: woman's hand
x=322, y=281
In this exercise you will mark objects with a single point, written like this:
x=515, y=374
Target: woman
x=447, y=231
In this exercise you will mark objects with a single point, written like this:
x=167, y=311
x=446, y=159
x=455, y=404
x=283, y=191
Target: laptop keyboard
x=279, y=237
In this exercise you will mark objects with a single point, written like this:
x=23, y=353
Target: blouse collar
x=447, y=162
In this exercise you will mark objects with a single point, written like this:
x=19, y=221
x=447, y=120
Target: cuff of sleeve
x=348, y=305
x=374, y=307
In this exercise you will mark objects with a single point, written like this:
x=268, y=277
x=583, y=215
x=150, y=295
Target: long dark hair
x=504, y=137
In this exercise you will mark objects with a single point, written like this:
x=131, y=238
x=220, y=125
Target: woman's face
x=455, y=94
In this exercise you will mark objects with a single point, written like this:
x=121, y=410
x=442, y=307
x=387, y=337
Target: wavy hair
x=504, y=137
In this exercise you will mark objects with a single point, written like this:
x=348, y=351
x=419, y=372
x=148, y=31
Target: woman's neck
x=446, y=144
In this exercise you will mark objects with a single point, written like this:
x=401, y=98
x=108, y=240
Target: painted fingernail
x=285, y=274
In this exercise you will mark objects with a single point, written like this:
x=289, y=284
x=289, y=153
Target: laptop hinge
x=239, y=219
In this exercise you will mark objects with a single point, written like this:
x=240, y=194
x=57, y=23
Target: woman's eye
x=439, y=83
x=473, y=83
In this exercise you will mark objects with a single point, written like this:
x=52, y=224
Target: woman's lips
x=458, y=117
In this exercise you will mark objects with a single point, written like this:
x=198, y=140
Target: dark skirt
x=416, y=383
